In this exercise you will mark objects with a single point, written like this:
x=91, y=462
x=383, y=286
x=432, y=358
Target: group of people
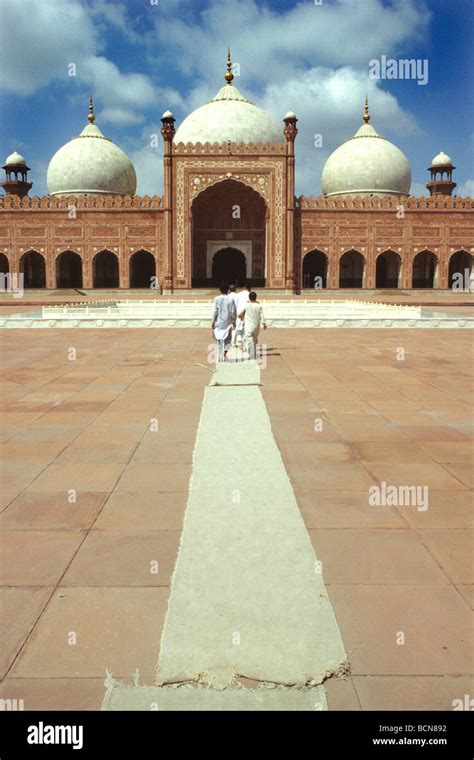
x=237, y=320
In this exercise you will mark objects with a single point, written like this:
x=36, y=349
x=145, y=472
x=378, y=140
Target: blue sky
x=142, y=57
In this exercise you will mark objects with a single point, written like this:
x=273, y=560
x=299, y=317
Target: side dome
x=91, y=163
x=442, y=159
x=15, y=159
x=228, y=117
x=366, y=164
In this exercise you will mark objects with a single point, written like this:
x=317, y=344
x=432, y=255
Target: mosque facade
x=229, y=212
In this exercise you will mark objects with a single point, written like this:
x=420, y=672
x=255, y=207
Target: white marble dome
x=366, y=164
x=15, y=159
x=229, y=116
x=91, y=163
x=442, y=159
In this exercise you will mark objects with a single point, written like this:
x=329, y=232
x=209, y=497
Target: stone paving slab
x=346, y=379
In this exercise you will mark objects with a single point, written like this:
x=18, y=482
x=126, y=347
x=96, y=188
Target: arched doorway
x=68, y=270
x=106, y=270
x=229, y=266
x=387, y=270
x=424, y=270
x=315, y=270
x=142, y=269
x=33, y=268
x=460, y=271
x=351, y=270
x=228, y=216
x=4, y=264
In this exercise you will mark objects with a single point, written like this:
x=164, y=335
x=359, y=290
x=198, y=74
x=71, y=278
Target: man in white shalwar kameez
x=225, y=315
x=253, y=318
x=241, y=301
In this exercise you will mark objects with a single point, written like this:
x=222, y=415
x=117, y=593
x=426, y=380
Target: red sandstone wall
x=85, y=225
x=123, y=225
x=371, y=226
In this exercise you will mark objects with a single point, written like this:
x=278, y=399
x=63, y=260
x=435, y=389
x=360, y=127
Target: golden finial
x=229, y=75
x=91, y=116
x=366, y=110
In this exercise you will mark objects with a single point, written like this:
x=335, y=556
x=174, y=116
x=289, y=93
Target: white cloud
x=467, y=188
x=50, y=35
x=39, y=40
x=310, y=59
x=330, y=103
x=148, y=163
x=273, y=46
x=119, y=116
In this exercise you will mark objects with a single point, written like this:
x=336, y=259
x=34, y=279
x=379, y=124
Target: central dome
x=228, y=117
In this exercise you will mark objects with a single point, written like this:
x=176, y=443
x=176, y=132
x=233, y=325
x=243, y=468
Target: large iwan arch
x=229, y=215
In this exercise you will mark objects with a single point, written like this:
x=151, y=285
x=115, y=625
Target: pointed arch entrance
x=229, y=221
x=33, y=268
x=106, y=270
x=315, y=270
x=388, y=270
x=142, y=269
x=351, y=270
x=68, y=270
x=460, y=276
x=425, y=265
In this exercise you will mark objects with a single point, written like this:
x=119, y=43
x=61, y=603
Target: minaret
x=16, y=176
x=290, y=131
x=168, y=132
x=441, y=170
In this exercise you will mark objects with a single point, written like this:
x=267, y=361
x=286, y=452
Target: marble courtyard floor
x=90, y=496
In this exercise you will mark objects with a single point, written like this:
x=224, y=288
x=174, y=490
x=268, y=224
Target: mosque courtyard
x=98, y=430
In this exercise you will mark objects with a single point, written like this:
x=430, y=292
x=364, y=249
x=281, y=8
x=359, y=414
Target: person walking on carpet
x=252, y=316
x=224, y=319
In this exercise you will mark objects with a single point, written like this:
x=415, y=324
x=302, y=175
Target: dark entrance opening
x=315, y=270
x=387, y=270
x=142, y=270
x=351, y=270
x=34, y=271
x=460, y=267
x=106, y=270
x=229, y=266
x=69, y=270
x=424, y=269
x=4, y=265
x=228, y=214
